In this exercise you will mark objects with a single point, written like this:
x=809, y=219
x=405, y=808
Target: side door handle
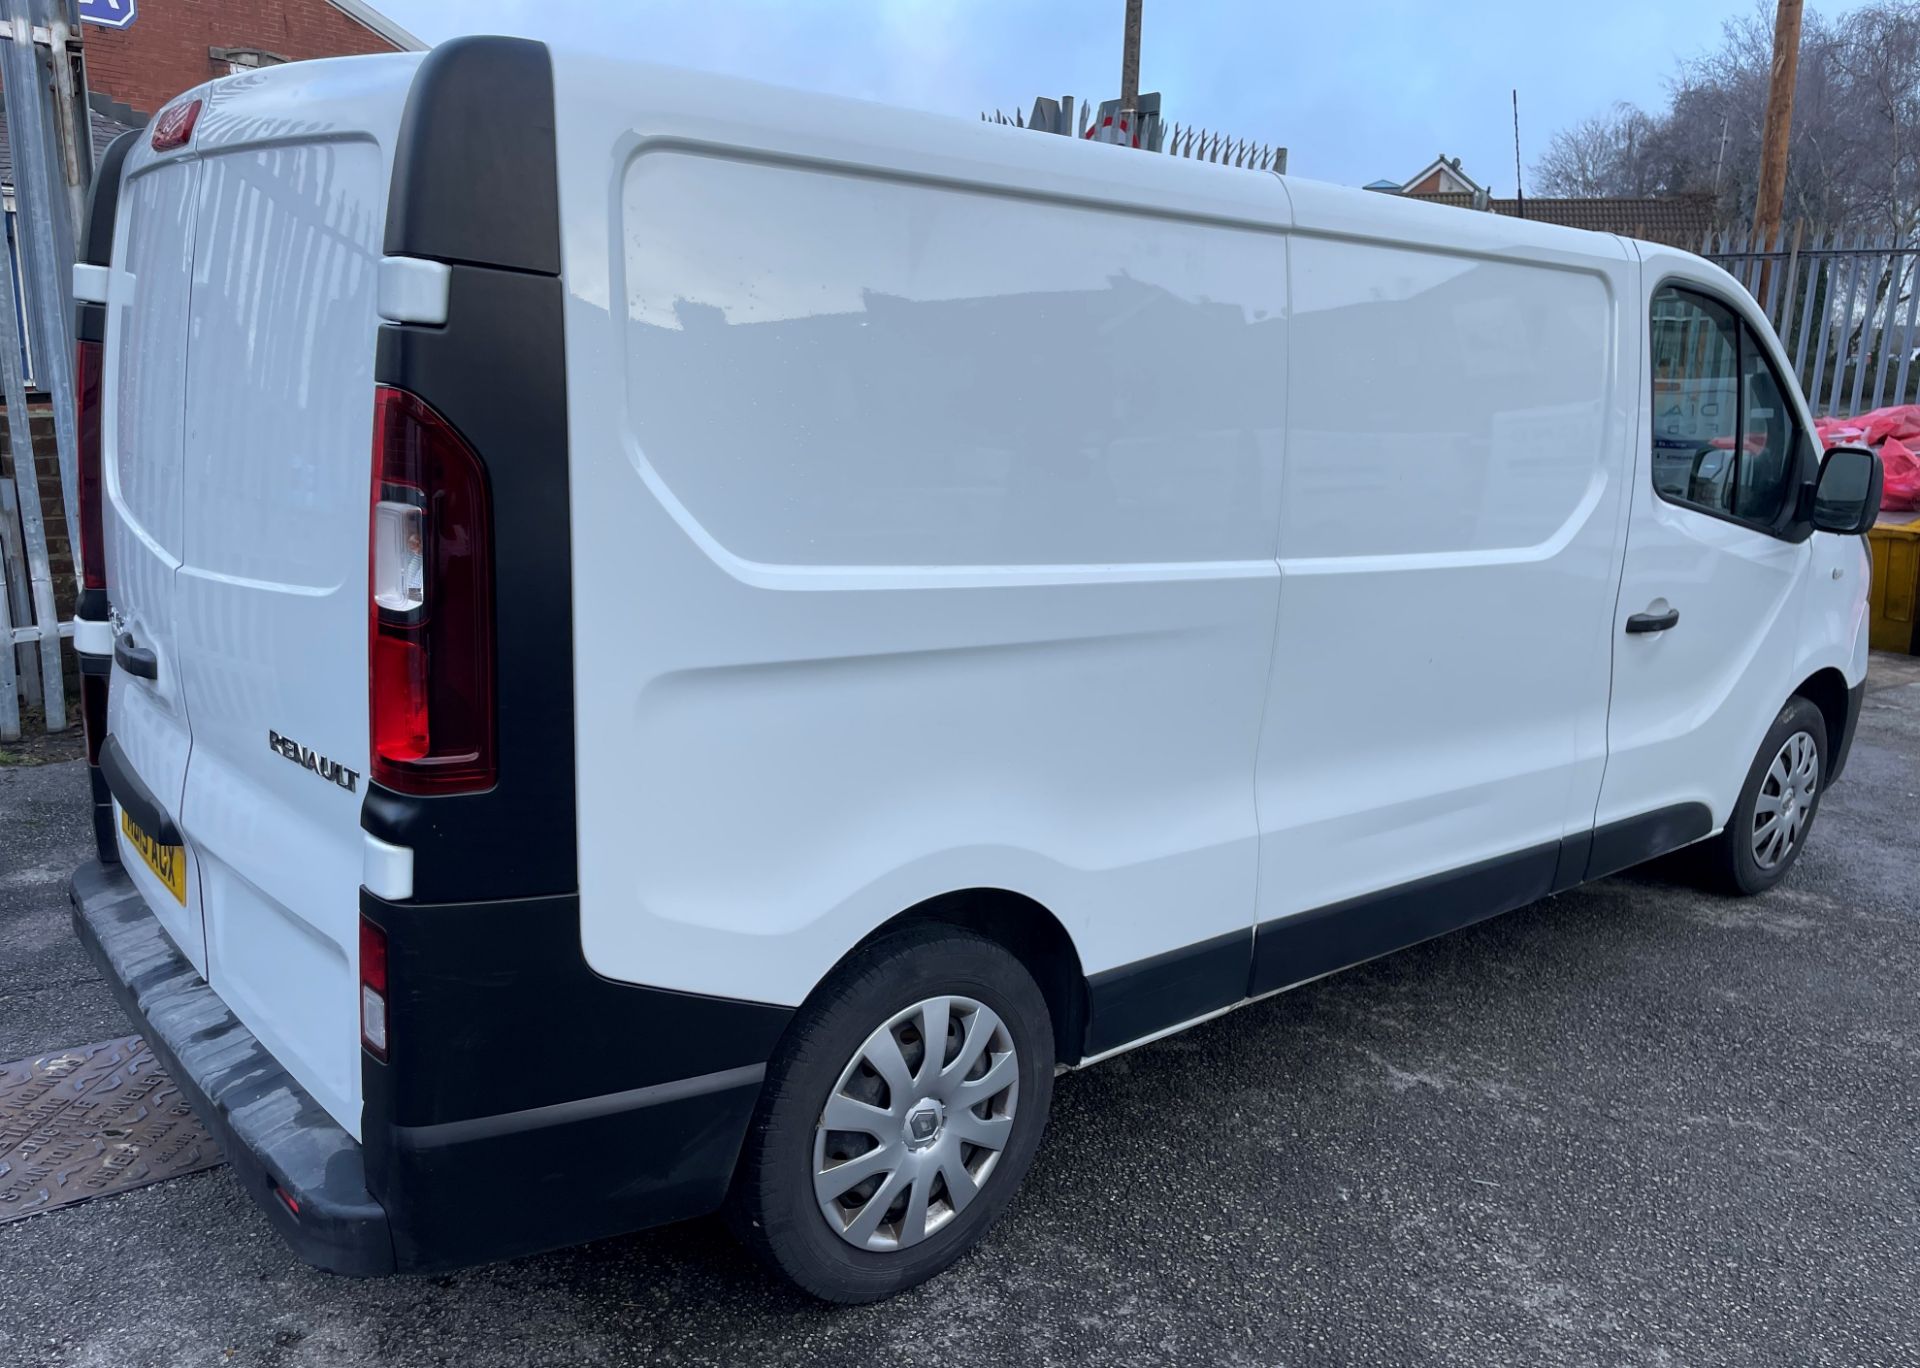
x=1652, y=622
x=139, y=661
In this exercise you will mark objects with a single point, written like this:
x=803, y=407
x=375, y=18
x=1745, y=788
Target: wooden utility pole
x=1777, y=131
x=1130, y=60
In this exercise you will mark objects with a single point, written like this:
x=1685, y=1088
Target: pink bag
x=1902, y=490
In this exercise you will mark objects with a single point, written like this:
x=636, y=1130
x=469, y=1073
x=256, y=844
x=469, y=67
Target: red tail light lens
x=429, y=604
x=87, y=360
x=175, y=126
x=373, y=988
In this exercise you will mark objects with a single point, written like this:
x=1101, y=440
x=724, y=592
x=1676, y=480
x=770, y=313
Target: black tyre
x=873, y=1160
x=1770, y=822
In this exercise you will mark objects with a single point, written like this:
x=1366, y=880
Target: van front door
x=1458, y=445
x=1704, y=632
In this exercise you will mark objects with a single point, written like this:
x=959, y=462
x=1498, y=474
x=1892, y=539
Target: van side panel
x=1451, y=527
x=924, y=530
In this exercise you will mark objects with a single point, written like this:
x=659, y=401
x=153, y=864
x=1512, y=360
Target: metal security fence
x=1845, y=306
x=52, y=161
x=1142, y=128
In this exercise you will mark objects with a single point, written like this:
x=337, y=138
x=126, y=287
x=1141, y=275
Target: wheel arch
x=1031, y=933
x=1826, y=689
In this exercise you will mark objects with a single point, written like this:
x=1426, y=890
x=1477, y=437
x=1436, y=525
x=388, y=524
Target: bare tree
x=1855, y=153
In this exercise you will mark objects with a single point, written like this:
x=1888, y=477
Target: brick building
x=1678, y=220
x=174, y=44
x=170, y=46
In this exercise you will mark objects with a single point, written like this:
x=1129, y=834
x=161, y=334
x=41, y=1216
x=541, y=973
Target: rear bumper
x=277, y=1138
x=436, y=1186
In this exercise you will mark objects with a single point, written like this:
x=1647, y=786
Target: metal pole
x=9, y=689
x=26, y=480
x=1906, y=340
x=1896, y=272
x=1777, y=130
x=1130, y=60
x=19, y=605
x=71, y=124
x=1843, y=340
x=1814, y=265
x=1784, y=321
x=46, y=248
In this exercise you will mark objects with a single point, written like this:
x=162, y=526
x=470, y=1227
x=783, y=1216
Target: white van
x=677, y=645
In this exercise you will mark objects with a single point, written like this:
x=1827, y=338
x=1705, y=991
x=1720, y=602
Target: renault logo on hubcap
x=923, y=1122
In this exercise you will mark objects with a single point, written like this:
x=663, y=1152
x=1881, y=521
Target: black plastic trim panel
x=1856, y=696
x=508, y=1055
x=473, y=1191
x=275, y=1135
x=1571, y=869
x=493, y=1008
x=103, y=200
x=1149, y=995
x=475, y=170
x=1136, y=1000
x=89, y=321
x=106, y=841
x=1290, y=950
x=497, y=373
x=1635, y=840
x=134, y=795
x=475, y=184
x=96, y=238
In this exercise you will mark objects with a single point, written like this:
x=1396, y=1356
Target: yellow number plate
x=167, y=862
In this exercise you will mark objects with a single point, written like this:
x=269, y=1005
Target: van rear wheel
x=1770, y=822
x=902, y=1111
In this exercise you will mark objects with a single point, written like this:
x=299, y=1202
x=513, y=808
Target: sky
x=1355, y=89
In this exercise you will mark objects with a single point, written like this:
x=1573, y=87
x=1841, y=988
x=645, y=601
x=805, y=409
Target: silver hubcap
x=916, y=1124
x=1785, y=803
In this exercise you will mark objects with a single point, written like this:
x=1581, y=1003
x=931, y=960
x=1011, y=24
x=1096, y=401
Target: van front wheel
x=1777, y=804
x=902, y=1111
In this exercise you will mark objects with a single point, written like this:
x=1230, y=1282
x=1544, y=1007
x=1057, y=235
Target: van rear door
x=272, y=607
x=143, y=459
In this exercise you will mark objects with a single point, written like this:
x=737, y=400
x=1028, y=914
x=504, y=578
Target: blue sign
x=116, y=14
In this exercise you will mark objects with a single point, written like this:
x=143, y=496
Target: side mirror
x=1847, y=498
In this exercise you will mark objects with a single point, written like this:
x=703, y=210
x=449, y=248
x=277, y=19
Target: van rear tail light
x=373, y=988
x=175, y=126
x=429, y=604
x=87, y=361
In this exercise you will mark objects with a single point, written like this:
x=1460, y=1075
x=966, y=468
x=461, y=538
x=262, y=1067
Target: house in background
x=1442, y=177
x=1675, y=220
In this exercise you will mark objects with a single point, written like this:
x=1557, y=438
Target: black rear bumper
x=286, y=1151
x=564, y=1150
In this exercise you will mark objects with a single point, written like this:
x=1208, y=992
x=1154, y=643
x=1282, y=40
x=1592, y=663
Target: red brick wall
x=164, y=51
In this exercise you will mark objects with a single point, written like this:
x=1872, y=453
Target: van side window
x=1767, y=445
x=1724, y=439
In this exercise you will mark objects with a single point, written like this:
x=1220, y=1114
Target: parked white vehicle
x=677, y=644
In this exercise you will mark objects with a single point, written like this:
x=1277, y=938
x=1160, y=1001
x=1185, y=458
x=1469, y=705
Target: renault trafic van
x=674, y=645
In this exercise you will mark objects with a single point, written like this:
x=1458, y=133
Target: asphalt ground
x=1633, y=1124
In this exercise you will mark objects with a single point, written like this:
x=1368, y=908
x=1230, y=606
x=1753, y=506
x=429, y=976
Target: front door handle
x=138, y=661
x=1652, y=622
